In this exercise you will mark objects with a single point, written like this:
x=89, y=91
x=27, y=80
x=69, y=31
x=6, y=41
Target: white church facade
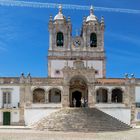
x=76, y=70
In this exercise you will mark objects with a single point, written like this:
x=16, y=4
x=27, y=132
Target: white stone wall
x=60, y=64
x=1, y=116
x=122, y=114
x=32, y=116
x=137, y=94
x=15, y=116
x=15, y=95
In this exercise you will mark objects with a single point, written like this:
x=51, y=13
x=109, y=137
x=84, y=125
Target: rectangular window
x=6, y=98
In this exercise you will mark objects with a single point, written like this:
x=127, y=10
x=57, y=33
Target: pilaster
x=22, y=104
x=109, y=97
x=65, y=96
x=91, y=95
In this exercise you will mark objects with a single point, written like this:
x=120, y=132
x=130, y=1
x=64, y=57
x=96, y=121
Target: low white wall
x=122, y=114
x=15, y=116
x=137, y=94
x=34, y=115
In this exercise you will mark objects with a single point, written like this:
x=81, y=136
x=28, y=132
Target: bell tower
x=60, y=30
x=93, y=38
x=64, y=48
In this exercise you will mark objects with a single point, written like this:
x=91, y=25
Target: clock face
x=77, y=42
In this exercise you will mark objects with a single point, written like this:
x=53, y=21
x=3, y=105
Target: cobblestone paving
x=45, y=135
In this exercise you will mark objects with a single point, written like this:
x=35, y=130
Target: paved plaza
x=22, y=134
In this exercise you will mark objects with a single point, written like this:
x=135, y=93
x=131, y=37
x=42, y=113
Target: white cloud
x=129, y=38
x=65, y=6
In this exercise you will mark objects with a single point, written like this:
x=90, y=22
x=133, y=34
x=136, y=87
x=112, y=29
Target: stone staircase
x=80, y=120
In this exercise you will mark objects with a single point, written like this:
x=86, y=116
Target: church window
x=93, y=40
x=96, y=72
x=60, y=39
x=57, y=72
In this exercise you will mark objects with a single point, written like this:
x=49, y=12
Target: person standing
x=86, y=102
x=74, y=102
x=82, y=102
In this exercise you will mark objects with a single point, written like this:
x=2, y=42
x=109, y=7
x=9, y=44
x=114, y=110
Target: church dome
x=91, y=17
x=59, y=16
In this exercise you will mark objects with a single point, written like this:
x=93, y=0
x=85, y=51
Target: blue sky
x=24, y=37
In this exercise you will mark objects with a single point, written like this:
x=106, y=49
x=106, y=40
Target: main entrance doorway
x=76, y=95
x=6, y=118
x=78, y=90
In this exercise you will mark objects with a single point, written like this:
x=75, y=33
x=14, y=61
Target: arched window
x=60, y=39
x=39, y=95
x=54, y=95
x=93, y=40
x=117, y=96
x=102, y=95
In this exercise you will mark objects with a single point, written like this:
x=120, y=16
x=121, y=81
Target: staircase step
x=80, y=119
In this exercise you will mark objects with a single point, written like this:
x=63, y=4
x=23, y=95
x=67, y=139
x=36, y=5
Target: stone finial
x=60, y=9
x=28, y=80
x=91, y=10
x=22, y=78
x=22, y=74
x=29, y=75
x=50, y=18
x=69, y=19
x=102, y=19
x=59, y=16
x=126, y=75
x=132, y=75
x=84, y=19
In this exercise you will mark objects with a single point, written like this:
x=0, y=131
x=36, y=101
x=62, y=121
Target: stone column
x=109, y=97
x=91, y=95
x=133, y=105
x=65, y=96
x=47, y=97
x=28, y=95
x=22, y=103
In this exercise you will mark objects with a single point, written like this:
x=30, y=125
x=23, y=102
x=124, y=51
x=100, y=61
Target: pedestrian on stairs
x=74, y=102
x=85, y=102
x=82, y=102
